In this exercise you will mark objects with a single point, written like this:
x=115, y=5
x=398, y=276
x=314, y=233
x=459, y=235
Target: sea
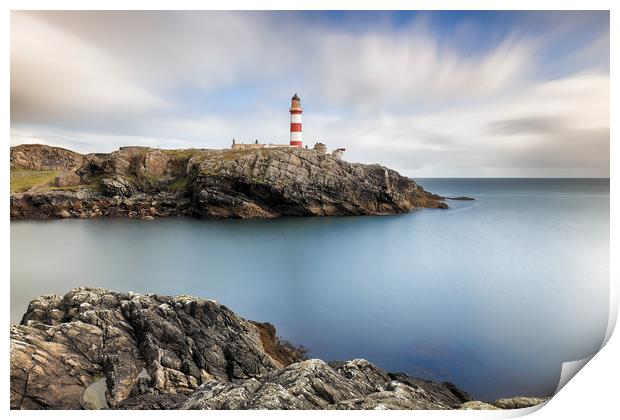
x=492, y=295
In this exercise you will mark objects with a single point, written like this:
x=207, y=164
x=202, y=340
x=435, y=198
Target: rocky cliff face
x=143, y=182
x=44, y=158
x=95, y=348
x=299, y=182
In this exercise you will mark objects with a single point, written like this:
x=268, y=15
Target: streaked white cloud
x=411, y=67
x=55, y=74
x=398, y=97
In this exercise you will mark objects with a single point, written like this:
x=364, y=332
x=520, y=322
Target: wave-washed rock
x=95, y=348
x=142, y=182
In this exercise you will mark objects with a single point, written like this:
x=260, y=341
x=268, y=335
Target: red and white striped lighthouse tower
x=295, y=121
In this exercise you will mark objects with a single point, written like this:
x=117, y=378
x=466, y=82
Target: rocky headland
x=94, y=348
x=141, y=182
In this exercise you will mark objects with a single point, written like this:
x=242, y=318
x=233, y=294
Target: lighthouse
x=295, y=121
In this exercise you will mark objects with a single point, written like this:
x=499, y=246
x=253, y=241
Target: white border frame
x=593, y=394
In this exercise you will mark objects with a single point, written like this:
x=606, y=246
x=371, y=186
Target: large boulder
x=477, y=405
x=66, y=179
x=518, y=402
x=504, y=403
x=176, y=342
x=117, y=186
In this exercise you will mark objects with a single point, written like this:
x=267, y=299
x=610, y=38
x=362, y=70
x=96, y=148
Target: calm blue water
x=493, y=294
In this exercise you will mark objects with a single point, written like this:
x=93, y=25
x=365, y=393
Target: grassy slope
x=23, y=180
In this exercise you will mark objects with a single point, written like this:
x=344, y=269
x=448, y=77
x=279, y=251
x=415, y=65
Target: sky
x=430, y=94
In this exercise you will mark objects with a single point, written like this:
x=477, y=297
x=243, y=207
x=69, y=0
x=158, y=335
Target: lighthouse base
x=295, y=143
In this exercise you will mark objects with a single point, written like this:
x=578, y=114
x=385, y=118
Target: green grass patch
x=180, y=153
x=23, y=180
x=144, y=178
x=228, y=154
x=179, y=184
x=67, y=188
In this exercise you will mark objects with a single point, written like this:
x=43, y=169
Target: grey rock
x=153, y=402
x=64, y=214
x=117, y=186
x=477, y=405
x=314, y=384
x=504, y=404
x=518, y=402
x=52, y=366
x=446, y=392
x=44, y=158
x=68, y=178
x=180, y=342
x=460, y=198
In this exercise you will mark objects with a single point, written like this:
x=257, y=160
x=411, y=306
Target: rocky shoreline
x=141, y=182
x=96, y=348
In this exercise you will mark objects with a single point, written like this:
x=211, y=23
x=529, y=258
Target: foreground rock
x=504, y=404
x=518, y=402
x=95, y=348
x=139, y=343
x=313, y=384
x=141, y=182
x=183, y=352
x=460, y=198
